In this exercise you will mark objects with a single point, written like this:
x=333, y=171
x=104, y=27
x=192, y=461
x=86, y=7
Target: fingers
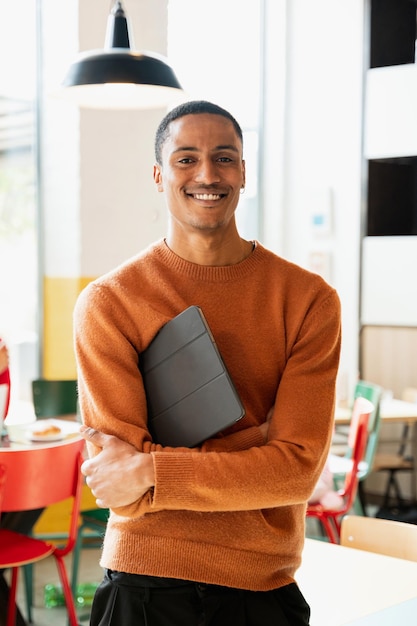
x=86, y=468
x=87, y=432
x=95, y=436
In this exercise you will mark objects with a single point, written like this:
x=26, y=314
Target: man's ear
x=157, y=176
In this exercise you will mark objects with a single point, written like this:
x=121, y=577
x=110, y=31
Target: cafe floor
x=45, y=573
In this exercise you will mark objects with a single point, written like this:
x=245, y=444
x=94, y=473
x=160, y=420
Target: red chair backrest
x=358, y=435
x=40, y=476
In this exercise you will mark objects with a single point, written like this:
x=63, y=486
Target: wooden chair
x=35, y=478
x=372, y=534
x=358, y=435
x=394, y=463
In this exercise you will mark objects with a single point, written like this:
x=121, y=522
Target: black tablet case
x=189, y=392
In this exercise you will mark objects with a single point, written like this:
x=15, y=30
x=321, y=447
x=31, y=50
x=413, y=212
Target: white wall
x=320, y=167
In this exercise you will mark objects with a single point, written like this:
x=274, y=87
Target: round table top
x=20, y=436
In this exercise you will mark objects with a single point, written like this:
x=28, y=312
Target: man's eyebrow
x=228, y=147
x=185, y=149
x=216, y=149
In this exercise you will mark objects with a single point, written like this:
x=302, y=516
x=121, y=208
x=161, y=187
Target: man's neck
x=210, y=250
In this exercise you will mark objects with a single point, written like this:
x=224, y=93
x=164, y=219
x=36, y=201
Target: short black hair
x=189, y=108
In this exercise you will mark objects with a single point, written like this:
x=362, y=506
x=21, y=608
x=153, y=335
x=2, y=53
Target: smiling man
x=200, y=168
x=212, y=535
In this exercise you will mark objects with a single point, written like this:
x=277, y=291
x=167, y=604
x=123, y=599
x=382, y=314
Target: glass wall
x=219, y=58
x=18, y=186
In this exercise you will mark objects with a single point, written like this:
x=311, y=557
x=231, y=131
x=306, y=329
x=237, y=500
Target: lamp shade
x=119, y=77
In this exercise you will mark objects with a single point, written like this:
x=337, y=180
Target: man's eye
x=185, y=160
x=225, y=159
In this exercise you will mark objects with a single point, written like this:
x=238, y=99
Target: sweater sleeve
x=112, y=398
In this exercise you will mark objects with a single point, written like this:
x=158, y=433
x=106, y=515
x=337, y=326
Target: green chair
x=51, y=398
x=339, y=465
x=90, y=535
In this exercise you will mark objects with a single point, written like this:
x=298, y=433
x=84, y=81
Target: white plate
x=43, y=438
x=39, y=426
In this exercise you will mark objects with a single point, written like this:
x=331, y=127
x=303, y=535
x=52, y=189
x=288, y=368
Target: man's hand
x=119, y=474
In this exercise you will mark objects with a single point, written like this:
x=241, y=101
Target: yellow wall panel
x=55, y=518
x=60, y=295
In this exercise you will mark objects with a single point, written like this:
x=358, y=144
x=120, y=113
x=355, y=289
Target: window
x=18, y=189
x=216, y=49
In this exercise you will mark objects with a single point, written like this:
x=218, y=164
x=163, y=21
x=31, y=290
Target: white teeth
x=207, y=196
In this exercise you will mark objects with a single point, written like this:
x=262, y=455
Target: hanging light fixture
x=118, y=76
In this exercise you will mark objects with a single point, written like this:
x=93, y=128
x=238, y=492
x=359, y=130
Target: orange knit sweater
x=232, y=511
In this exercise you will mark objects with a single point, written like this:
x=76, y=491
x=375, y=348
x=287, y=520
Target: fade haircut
x=189, y=108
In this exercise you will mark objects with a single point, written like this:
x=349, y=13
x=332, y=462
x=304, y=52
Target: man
x=211, y=535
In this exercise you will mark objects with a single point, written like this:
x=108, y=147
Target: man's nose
x=207, y=172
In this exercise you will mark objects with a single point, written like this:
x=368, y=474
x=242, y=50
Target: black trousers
x=131, y=600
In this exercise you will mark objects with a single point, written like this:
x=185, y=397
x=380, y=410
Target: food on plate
x=47, y=431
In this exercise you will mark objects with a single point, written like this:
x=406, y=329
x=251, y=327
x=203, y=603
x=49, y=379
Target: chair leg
x=393, y=486
x=28, y=576
x=76, y=553
x=330, y=529
x=360, y=501
x=11, y=612
x=69, y=598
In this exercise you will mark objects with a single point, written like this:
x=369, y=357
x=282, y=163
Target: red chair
x=32, y=478
x=330, y=519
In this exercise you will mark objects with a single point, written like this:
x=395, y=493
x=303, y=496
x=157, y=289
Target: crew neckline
x=209, y=272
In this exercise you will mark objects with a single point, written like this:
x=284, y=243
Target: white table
x=345, y=586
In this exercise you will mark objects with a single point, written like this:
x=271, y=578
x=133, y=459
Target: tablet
x=189, y=392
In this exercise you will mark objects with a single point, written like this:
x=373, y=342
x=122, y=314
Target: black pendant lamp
x=119, y=77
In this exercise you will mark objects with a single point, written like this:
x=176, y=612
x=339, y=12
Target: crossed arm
x=106, y=473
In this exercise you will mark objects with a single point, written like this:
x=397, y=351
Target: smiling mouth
x=207, y=196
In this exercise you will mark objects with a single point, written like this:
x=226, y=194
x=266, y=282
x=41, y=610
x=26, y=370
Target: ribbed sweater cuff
x=174, y=471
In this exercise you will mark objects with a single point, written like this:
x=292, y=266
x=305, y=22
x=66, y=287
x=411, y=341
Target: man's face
x=202, y=171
